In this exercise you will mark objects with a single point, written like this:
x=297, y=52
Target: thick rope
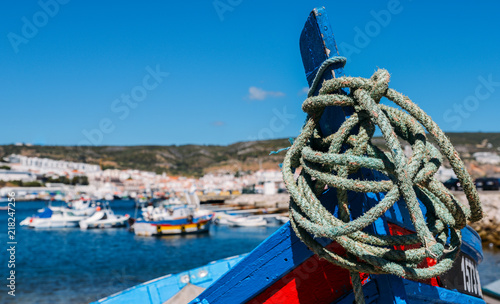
x=330, y=162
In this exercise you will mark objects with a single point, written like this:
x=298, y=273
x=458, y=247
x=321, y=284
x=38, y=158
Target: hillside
x=188, y=160
x=195, y=160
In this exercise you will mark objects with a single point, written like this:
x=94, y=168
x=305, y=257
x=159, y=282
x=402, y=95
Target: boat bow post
x=283, y=269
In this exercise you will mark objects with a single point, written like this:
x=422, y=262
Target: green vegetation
x=20, y=184
x=196, y=160
x=76, y=180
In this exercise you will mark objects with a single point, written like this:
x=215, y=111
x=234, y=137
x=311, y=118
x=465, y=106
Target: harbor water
x=77, y=266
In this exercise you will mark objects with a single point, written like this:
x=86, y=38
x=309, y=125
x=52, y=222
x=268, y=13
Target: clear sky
x=218, y=72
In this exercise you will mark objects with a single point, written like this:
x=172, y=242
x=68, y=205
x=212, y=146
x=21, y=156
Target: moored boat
x=181, y=220
x=84, y=207
x=104, y=218
x=174, y=288
x=54, y=219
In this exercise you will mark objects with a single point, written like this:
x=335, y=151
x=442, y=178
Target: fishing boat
x=175, y=288
x=196, y=224
x=53, y=219
x=104, y=218
x=320, y=257
x=177, y=219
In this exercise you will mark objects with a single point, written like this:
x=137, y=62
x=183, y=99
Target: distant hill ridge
x=196, y=160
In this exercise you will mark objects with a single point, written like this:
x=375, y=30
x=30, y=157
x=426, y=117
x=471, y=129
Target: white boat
x=26, y=221
x=84, y=207
x=104, y=218
x=81, y=207
x=282, y=219
x=54, y=219
x=249, y=221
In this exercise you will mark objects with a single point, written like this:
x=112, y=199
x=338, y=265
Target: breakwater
x=489, y=227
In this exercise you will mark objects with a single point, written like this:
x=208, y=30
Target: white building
x=46, y=165
x=487, y=158
x=7, y=175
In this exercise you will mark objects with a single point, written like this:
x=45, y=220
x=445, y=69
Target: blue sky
x=234, y=67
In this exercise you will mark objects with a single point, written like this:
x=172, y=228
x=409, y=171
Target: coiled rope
x=332, y=160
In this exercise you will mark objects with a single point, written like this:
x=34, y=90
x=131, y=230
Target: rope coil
x=331, y=161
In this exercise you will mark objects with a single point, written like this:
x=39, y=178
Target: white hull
x=53, y=219
x=25, y=222
x=54, y=223
x=104, y=218
x=247, y=222
x=83, y=212
x=120, y=221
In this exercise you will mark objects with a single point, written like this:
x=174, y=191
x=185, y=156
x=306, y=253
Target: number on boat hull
x=463, y=276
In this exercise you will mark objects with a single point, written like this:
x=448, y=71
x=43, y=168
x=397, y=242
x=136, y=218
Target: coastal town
x=33, y=178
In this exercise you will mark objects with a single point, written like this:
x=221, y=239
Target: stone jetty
x=489, y=227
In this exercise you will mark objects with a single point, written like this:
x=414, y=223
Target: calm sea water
x=74, y=266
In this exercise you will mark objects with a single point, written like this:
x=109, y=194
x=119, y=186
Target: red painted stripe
x=314, y=281
x=428, y=262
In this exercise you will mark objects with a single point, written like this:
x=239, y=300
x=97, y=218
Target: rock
x=489, y=227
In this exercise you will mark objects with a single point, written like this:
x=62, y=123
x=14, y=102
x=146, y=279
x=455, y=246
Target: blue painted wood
x=317, y=44
x=382, y=290
x=471, y=244
x=422, y=293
